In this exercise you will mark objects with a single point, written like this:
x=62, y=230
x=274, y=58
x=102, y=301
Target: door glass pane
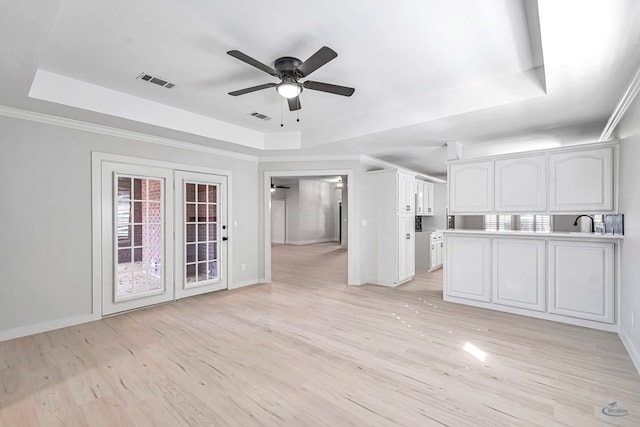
x=139, y=235
x=201, y=232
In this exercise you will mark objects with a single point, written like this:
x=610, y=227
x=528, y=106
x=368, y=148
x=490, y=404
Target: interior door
x=201, y=233
x=137, y=227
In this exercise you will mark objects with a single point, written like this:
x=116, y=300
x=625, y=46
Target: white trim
x=634, y=354
x=353, y=253
x=309, y=158
x=245, y=283
x=23, y=331
x=621, y=107
x=310, y=242
x=593, y=324
x=368, y=159
x=97, y=158
x=519, y=154
x=120, y=133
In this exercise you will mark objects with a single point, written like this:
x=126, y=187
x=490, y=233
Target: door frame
x=97, y=161
x=353, y=276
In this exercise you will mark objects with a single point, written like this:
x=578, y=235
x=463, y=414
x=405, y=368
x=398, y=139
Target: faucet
x=575, y=223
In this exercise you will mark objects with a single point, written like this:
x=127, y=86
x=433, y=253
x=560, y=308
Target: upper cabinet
x=581, y=181
x=521, y=184
x=471, y=187
x=424, y=198
x=406, y=193
x=567, y=180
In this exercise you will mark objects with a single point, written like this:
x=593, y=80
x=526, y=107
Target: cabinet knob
x=408, y=236
x=408, y=207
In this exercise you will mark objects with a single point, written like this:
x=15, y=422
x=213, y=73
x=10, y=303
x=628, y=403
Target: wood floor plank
x=307, y=350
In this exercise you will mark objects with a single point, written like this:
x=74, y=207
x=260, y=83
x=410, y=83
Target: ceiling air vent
x=156, y=80
x=260, y=116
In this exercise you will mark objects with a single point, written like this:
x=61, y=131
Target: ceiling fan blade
x=317, y=60
x=282, y=186
x=326, y=87
x=294, y=103
x=252, y=89
x=249, y=60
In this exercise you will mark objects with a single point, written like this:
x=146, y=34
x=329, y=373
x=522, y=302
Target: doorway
x=307, y=221
x=163, y=234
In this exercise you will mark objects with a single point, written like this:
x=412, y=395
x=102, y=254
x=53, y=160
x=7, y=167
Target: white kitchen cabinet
x=406, y=247
x=420, y=190
x=424, y=198
x=390, y=250
x=519, y=273
x=581, y=280
x=468, y=267
x=430, y=199
x=521, y=184
x=436, y=247
x=471, y=188
x=439, y=251
x=581, y=181
x=406, y=192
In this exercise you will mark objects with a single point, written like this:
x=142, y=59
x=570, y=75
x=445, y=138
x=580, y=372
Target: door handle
x=408, y=207
x=408, y=236
x=224, y=239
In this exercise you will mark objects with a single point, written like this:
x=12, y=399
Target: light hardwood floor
x=308, y=350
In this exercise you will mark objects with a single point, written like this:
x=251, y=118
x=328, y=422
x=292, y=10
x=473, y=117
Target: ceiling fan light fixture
x=289, y=89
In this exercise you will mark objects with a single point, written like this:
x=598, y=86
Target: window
x=497, y=222
x=538, y=223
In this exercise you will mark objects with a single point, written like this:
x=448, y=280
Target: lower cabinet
x=519, y=273
x=559, y=279
x=406, y=248
x=581, y=280
x=468, y=267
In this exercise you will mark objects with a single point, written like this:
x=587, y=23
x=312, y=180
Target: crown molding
x=120, y=133
x=621, y=108
x=310, y=158
x=368, y=159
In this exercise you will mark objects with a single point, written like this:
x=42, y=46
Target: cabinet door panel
x=521, y=184
x=420, y=196
x=433, y=259
x=468, y=269
x=519, y=273
x=429, y=198
x=581, y=280
x=471, y=188
x=582, y=181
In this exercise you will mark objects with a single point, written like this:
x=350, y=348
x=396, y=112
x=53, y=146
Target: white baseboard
x=278, y=242
x=309, y=242
x=631, y=349
x=243, y=284
x=23, y=331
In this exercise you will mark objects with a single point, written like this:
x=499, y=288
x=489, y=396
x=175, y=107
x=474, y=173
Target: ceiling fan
x=289, y=70
x=273, y=186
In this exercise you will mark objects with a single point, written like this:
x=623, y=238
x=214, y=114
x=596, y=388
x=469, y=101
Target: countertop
x=552, y=234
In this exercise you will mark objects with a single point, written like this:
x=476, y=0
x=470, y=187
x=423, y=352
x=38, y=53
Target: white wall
x=278, y=221
x=439, y=219
x=45, y=238
x=316, y=212
x=629, y=132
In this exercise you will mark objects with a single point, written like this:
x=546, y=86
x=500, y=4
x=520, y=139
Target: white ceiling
x=498, y=76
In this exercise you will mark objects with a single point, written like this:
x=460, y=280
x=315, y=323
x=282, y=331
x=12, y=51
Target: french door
x=137, y=255
x=163, y=235
x=201, y=233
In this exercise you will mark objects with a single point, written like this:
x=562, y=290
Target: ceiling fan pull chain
x=281, y=115
x=298, y=113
